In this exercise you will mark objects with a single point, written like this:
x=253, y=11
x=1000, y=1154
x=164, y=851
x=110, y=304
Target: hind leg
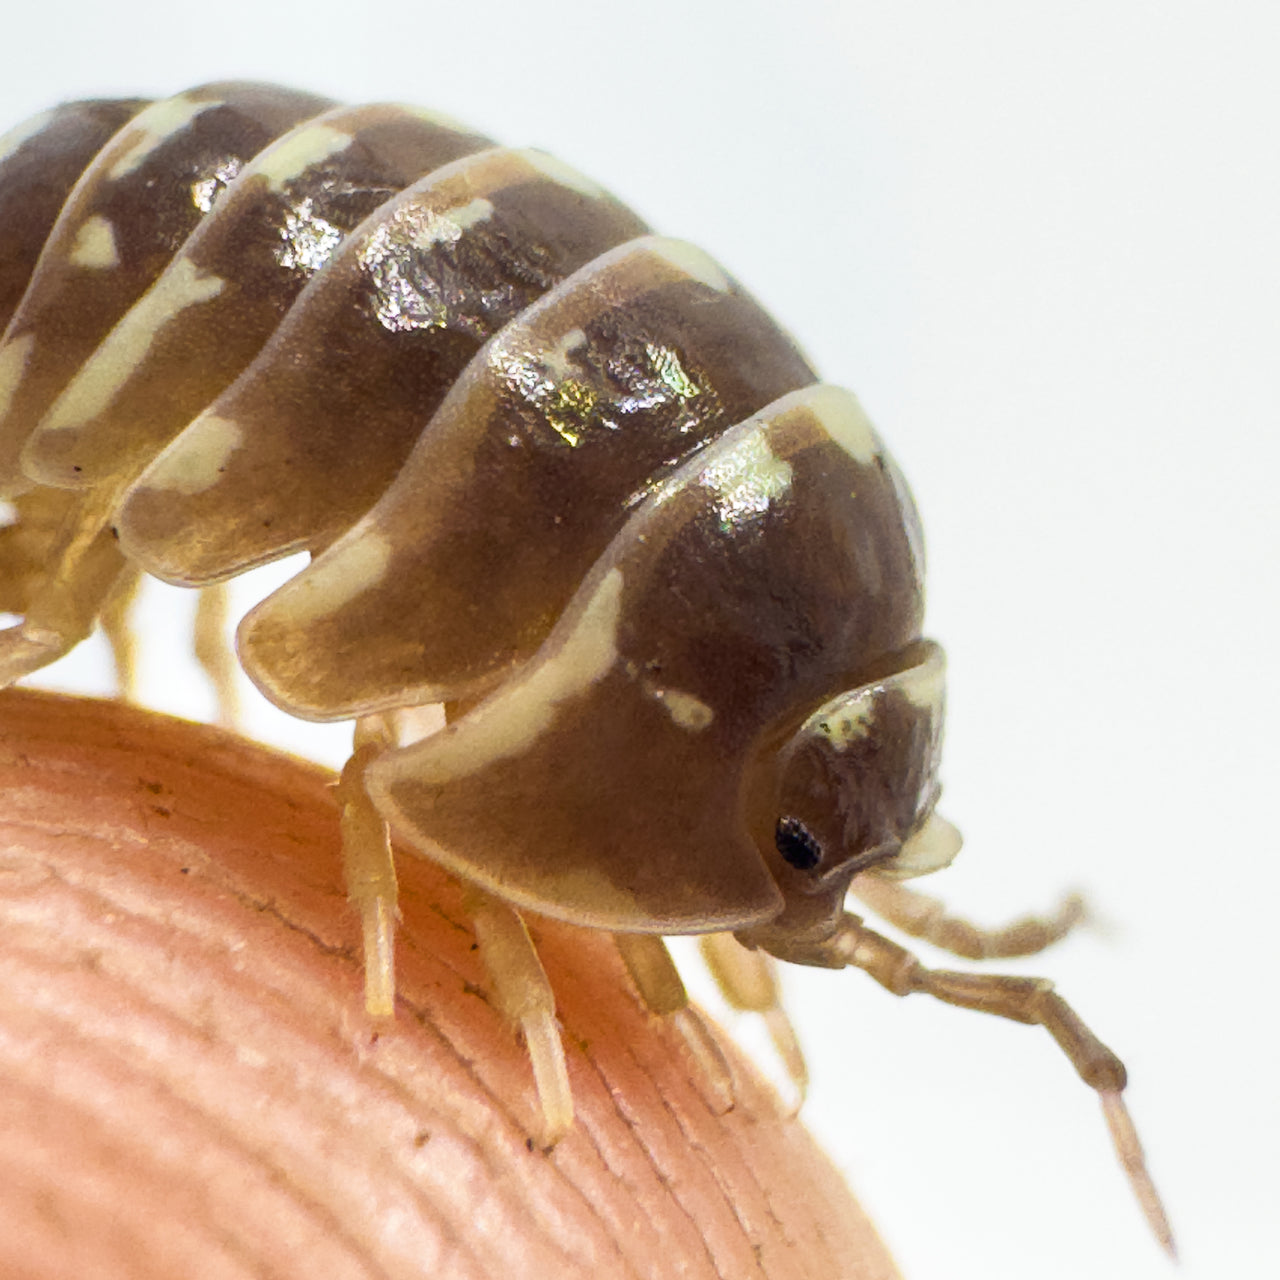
x=119, y=633
x=214, y=653
x=82, y=565
x=61, y=612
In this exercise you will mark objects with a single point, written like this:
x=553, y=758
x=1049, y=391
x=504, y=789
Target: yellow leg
x=214, y=653
x=27, y=543
x=370, y=869
x=83, y=564
x=61, y=613
x=748, y=980
x=114, y=621
x=525, y=997
x=663, y=992
x=1030, y=1000
x=921, y=916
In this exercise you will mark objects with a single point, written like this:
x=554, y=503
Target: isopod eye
x=858, y=780
x=797, y=844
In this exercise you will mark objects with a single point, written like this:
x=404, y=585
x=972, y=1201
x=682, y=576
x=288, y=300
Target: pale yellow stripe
x=516, y=717
x=154, y=125
x=297, y=152
x=24, y=132
x=99, y=381
x=195, y=460
x=331, y=582
x=95, y=245
x=690, y=261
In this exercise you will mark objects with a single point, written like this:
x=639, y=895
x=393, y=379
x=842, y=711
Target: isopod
x=557, y=473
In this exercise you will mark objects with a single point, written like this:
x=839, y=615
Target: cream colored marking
x=849, y=716
x=23, y=133
x=846, y=719
x=95, y=245
x=746, y=478
x=514, y=718
x=690, y=261
x=688, y=711
x=296, y=152
x=156, y=124
x=848, y=425
x=196, y=458
x=557, y=358
x=610, y=901
x=101, y=377
x=439, y=118
x=13, y=361
x=924, y=685
x=934, y=846
x=466, y=216
x=423, y=228
x=328, y=584
x=564, y=174
x=910, y=518
x=415, y=723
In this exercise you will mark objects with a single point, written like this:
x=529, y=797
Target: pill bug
x=558, y=474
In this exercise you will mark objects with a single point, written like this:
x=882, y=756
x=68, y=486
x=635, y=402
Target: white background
x=1040, y=240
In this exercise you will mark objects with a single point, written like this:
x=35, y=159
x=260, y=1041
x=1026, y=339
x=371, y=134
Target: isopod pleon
x=560, y=475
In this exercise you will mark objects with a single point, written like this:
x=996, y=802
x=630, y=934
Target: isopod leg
x=525, y=997
x=662, y=990
x=653, y=971
x=1030, y=1000
x=748, y=979
x=27, y=542
x=81, y=566
x=63, y=609
x=24, y=550
x=369, y=868
x=925, y=917
x=16, y=571
x=114, y=621
x=213, y=651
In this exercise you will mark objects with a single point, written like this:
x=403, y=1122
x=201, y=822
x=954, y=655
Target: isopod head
x=741, y=666
x=854, y=789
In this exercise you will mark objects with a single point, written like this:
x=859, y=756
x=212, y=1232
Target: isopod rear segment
x=40, y=161
x=140, y=197
x=561, y=475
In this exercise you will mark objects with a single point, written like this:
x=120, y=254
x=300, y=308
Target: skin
x=193, y=1088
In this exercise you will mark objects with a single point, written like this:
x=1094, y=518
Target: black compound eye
x=797, y=844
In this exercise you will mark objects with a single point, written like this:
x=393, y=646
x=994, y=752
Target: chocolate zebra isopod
x=559, y=474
